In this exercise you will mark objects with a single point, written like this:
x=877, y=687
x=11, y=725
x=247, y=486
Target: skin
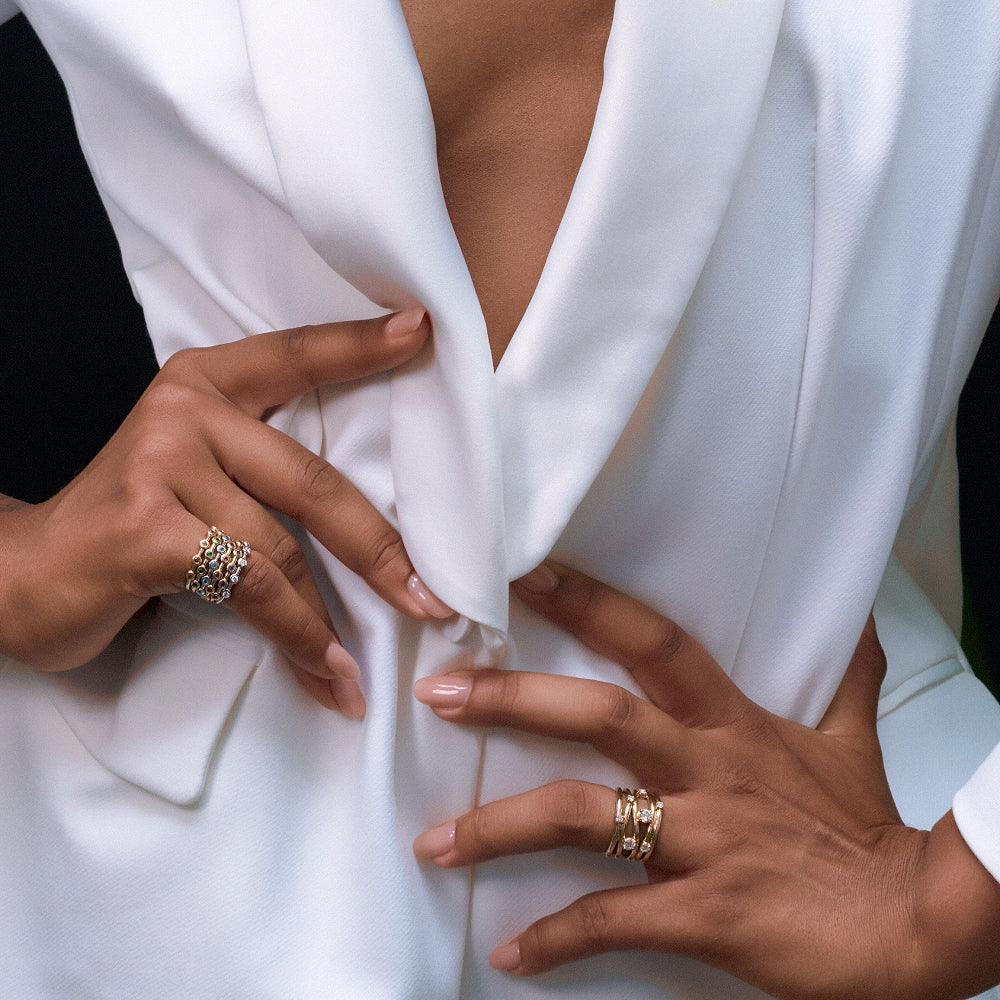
x=513, y=91
x=781, y=858
x=195, y=452
x=513, y=88
x=771, y=828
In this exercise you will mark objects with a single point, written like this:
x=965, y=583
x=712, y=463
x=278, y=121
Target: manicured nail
x=351, y=700
x=433, y=844
x=507, y=957
x=443, y=692
x=541, y=580
x=425, y=600
x=339, y=662
x=402, y=324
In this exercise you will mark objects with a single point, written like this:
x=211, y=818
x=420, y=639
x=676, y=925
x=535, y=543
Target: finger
x=265, y=599
x=624, y=919
x=854, y=709
x=246, y=518
x=269, y=369
x=674, y=670
x=620, y=725
x=284, y=475
x=561, y=814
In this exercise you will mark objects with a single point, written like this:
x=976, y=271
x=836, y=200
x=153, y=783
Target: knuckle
x=569, y=805
x=320, y=480
x=166, y=398
x=592, y=921
x=667, y=641
x=186, y=366
x=386, y=550
x=615, y=709
x=505, y=691
x=293, y=344
x=474, y=832
x=288, y=558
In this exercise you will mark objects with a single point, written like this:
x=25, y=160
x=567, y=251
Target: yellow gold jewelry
x=623, y=813
x=649, y=819
x=637, y=824
x=216, y=566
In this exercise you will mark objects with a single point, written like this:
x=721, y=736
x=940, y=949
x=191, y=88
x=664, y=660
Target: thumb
x=854, y=709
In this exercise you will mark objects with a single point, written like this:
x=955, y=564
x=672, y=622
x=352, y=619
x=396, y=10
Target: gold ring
x=216, y=566
x=623, y=813
x=649, y=819
x=637, y=823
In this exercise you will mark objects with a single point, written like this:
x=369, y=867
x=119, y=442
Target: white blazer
x=732, y=394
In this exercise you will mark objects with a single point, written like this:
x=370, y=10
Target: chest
x=513, y=88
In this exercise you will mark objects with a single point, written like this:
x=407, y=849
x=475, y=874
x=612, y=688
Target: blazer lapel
x=353, y=137
x=682, y=90
x=487, y=471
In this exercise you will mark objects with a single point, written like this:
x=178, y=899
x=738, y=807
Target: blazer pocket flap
x=155, y=706
x=921, y=650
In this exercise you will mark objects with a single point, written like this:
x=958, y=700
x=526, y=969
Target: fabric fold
x=611, y=295
x=154, y=707
x=383, y=225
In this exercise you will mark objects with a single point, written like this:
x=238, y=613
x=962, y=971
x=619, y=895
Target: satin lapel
x=353, y=138
x=682, y=91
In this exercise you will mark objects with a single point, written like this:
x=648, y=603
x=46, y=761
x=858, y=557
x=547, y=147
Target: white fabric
x=733, y=388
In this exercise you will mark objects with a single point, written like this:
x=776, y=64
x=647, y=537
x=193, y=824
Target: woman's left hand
x=781, y=857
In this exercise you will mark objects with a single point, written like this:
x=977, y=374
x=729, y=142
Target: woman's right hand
x=195, y=452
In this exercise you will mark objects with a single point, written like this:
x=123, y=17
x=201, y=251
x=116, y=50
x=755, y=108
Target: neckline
x=556, y=246
x=488, y=466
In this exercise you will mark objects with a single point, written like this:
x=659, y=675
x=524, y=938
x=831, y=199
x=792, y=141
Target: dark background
x=74, y=353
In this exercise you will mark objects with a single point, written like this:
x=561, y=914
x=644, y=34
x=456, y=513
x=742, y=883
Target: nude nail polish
x=340, y=662
x=435, y=843
x=402, y=324
x=507, y=957
x=351, y=701
x=541, y=580
x=443, y=692
x=425, y=600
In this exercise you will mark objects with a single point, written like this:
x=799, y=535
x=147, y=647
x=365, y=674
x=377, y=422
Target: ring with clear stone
x=216, y=566
x=637, y=824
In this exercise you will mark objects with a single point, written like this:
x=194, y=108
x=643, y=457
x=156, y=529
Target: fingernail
x=435, y=843
x=402, y=324
x=339, y=662
x=541, y=580
x=435, y=607
x=443, y=692
x=350, y=699
x=507, y=957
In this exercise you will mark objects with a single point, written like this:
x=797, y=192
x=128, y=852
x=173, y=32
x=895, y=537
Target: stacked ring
x=216, y=566
x=637, y=825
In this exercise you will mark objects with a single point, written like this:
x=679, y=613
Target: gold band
x=216, y=566
x=623, y=813
x=637, y=824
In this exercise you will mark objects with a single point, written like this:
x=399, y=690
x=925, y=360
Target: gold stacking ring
x=216, y=566
x=637, y=825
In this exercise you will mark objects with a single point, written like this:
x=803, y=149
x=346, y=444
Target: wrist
x=956, y=917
